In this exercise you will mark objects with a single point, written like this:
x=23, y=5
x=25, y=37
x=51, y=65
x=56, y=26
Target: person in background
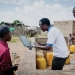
x=6, y=67
x=56, y=41
x=74, y=11
x=70, y=40
x=74, y=16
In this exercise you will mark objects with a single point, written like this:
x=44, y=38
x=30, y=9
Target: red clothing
x=5, y=59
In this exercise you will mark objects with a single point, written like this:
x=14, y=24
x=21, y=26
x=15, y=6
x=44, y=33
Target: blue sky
x=31, y=11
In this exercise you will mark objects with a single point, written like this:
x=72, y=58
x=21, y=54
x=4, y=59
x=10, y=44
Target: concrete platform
x=28, y=66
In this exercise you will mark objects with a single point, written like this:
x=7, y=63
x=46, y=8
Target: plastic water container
x=40, y=61
x=49, y=58
x=72, y=48
x=68, y=60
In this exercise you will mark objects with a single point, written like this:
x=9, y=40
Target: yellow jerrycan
x=49, y=58
x=68, y=60
x=40, y=61
x=72, y=48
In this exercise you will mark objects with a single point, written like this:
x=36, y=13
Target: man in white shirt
x=56, y=41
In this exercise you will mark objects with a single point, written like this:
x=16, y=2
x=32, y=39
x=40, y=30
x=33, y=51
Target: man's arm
x=42, y=44
x=45, y=47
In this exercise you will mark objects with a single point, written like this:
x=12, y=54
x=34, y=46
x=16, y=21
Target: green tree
x=2, y=23
x=18, y=22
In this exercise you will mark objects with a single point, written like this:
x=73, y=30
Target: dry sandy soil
x=20, y=50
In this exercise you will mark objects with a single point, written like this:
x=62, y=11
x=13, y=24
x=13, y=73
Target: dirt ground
x=20, y=50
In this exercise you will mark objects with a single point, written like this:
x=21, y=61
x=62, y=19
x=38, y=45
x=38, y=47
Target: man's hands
x=36, y=44
x=43, y=47
x=39, y=43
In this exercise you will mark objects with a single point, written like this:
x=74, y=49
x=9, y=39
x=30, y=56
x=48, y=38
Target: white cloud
x=31, y=15
x=9, y=16
x=16, y=1
x=4, y=1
